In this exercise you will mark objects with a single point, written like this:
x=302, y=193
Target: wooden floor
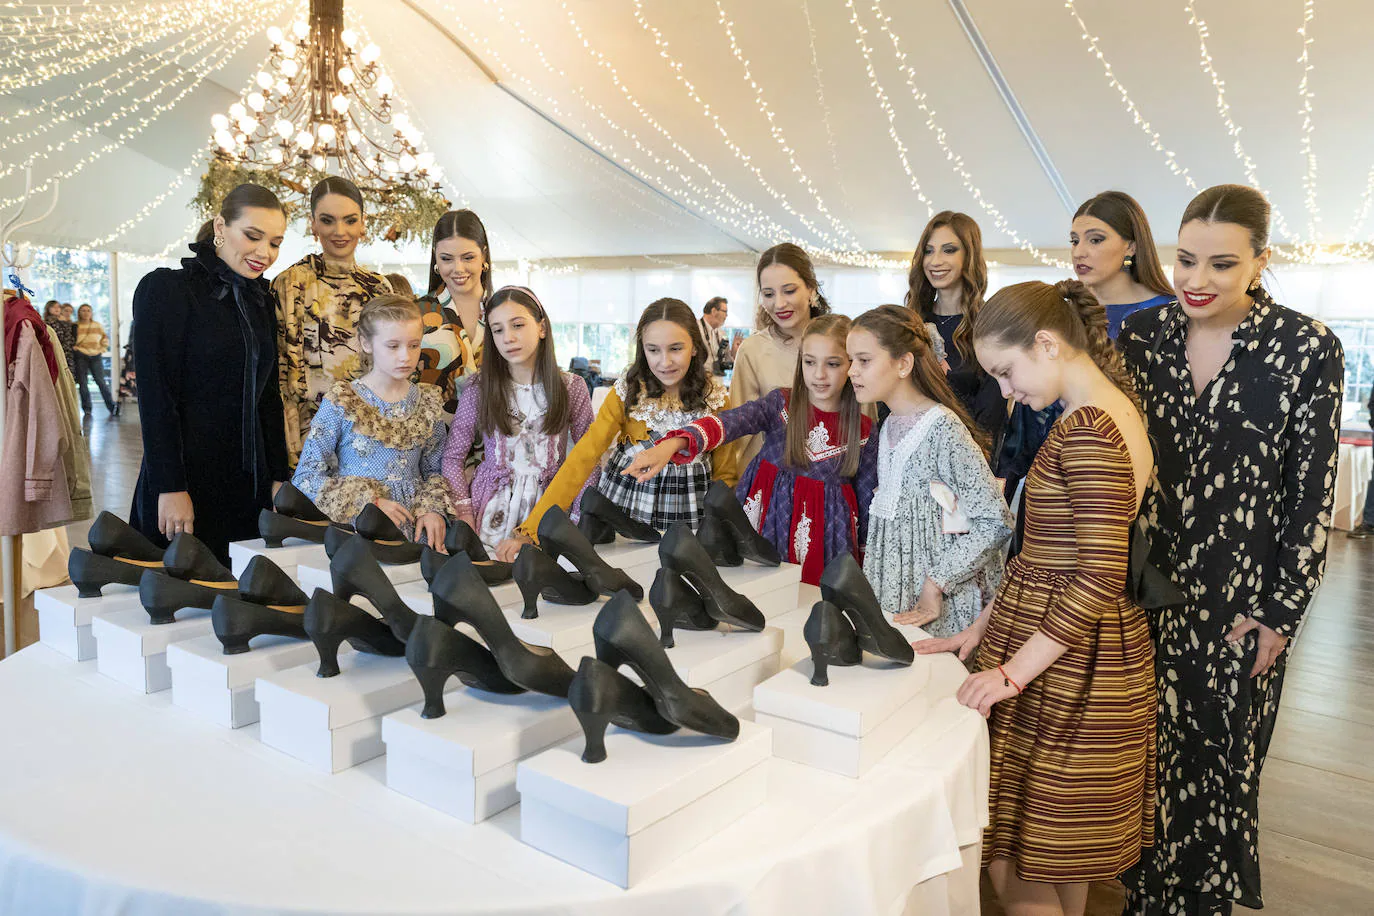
x=1317, y=798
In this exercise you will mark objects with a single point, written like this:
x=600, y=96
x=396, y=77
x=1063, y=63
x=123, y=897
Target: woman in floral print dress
x=1243, y=401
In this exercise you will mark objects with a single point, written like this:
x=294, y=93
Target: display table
x=1352, y=480
x=119, y=802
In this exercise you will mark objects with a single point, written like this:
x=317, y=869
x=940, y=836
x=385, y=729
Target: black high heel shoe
x=187, y=558
x=436, y=652
x=602, y=520
x=90, y=572
x=560, y=537
x=600, y=696
x=460, y=595
x=682, y=553
x=721, y=502
x=718, y=542
x=236, y=622
x=832, y=641
x=263, y=582
x=329, y=621
x=274, y=527
x=539, y=574
x=389, y=544
x=431, y=561
x=677, y=606
x=844, y=585
x=622, y=637
x=292, y=503
x=111, y=536
x=163, y=595
x=353, y=570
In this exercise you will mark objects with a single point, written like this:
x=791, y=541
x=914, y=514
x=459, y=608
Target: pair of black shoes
x=460, y=538
x=191, y=577
x=119, y=554
x=601, y=520
x=848, y=622
x=295, y=516
x=332, y=619
x=436, y=651
x=269, y=603
x=688, y=592
x=538, y=574
x=728, y=535
x=600, y=695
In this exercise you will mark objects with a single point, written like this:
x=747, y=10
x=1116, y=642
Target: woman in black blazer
x=205, y=346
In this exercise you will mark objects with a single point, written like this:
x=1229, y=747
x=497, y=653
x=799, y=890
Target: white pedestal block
x=333, y=723
x=727, y=665
x=637, y=559
x=416, y=595
x=315, y=575
x=464, y=763
x=652, y=799
x=292, y=553
x=850, y=725
x=64, y=617
x=220, y=687
x=772, y=589
x=133, y=651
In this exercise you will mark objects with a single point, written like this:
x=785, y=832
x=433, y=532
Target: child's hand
x=395, y=511
x=649, y=462
x=509, y=549
x=431, y=527
x=962, y=643
x=980, y=691
x=927, y=609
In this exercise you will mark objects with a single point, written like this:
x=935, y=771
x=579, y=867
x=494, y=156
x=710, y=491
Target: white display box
x=220, y=687
x=464, y=762
x=727, y=665
x=773, y=589
x=417, y=597
x=315, y=575
x=652, y=799
x=636, y=559
x=333, y=723
x=64, y=617
x=292, y=553
x=850, y=725
x=133, y=650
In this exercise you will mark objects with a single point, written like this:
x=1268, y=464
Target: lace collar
x=667, y=412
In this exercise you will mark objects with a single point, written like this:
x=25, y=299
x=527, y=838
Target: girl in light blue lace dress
x=380, y=439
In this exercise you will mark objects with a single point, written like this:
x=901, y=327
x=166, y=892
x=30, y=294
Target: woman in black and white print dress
x=1243, y=400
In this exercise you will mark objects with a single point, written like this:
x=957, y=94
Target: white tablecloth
x=1352, y=480
x=113, y=802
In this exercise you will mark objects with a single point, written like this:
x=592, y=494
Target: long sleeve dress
x=318, y=304
x=517, y=469
x=1238, y=519
x=675, y=495
x=1072, y=758
x=811, y=515
x=938, y=513
x=362, y=448
x=206, y=355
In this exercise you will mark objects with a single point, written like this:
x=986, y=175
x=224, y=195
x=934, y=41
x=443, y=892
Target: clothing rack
x=12, y=545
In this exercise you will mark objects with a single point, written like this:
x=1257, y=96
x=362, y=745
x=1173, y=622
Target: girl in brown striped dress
x=1065, y=660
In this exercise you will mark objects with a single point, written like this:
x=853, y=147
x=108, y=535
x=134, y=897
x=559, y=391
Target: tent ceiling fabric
x=603, y=142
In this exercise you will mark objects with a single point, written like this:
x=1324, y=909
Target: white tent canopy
x=592, y=129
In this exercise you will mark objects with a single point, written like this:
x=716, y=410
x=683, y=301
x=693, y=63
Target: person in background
x=400, y=285
x=712, y=317
x=946, y=283
x=1365, y=529
x=205, y=340
x=65, y=331
x=319, y=299
x=90, y=347
x=1114, y=255
x=789, y=297
x=459, y=286
x=67, y=313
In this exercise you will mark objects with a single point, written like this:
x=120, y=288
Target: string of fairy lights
x=124, y=65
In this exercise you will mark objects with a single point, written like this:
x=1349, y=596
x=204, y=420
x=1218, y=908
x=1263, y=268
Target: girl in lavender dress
x=808, y=488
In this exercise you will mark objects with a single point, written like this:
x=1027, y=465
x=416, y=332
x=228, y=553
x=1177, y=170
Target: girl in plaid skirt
x=665, y=388
x=809, y=487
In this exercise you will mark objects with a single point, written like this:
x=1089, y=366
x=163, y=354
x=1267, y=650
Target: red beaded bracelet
x=1007, y=681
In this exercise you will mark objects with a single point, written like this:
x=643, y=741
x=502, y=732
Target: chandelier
x=321, y=106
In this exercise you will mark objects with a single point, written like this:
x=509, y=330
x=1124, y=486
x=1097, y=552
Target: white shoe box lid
x=203, y=658
x=366, y=686
x=702, y=657
x=644, y=778
x=292, y=553
x=481, y=731
x=858, y=699
x=66, y=603
x=315, y=574
x=131, y=625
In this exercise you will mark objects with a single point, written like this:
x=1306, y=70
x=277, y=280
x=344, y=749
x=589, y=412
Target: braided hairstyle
x=1014, y=315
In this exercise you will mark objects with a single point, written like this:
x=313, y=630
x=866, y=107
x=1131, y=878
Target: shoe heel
x=665, y=638
x=432, y=682
x=820, y=677
x=84, y=590
x=160, y=616
x=594, y=725
x=328, y=649
x=605, y=652
x=234, y=645
x=273, y=541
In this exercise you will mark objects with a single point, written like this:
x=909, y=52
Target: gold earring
x=219, y=241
